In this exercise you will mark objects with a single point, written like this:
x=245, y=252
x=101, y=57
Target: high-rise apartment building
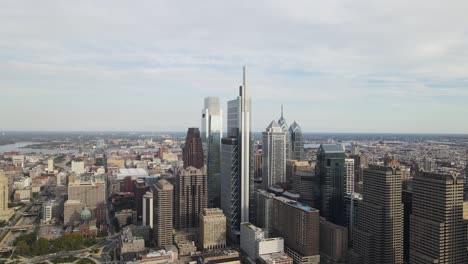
x=275, y=149
x=236, y=165
x=148, y=212
x=437, y=234
x=163, y=196
x=191, y=197
x=50, y=165
x=297, y=142
x=306, y=184
x=212, y=131
x=264, y=210
x=349, y=175
x=192, y=153
x=378, y=234
x=298, y=224
x=330, y=169
x=212, y=229
x=5, y=213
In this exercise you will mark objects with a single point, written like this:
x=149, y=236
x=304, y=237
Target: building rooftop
x=299, y=205
x=332, y=148
x=136, y=172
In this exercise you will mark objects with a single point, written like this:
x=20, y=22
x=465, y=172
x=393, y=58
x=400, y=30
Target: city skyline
x=125, y=63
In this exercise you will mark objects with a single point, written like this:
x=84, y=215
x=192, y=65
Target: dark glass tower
x=297, y=143
x=330, y=169
x=193, y=149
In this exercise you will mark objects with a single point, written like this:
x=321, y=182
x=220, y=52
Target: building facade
x=349, y=175
x=275, y=151
x=297, y=142
x=378, y=234
x=212, y=131
x=192, y=153
x=148, y=212
x=438, y=234
x=212, y=229
x=191, y=197
x=164, y=192
x=330, y=169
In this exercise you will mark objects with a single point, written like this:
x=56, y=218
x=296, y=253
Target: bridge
x=20, y=227
x=31, y=214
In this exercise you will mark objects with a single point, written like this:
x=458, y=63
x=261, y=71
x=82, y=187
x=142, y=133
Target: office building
x=275, y=151
x=90, y=189
x=330, y=169
x=438, y=234
x=297, y=142
x=293, y=166
x=255, y=243
x=77, y=167
x=298, y=224
x=212, y=131
x=237, y=183
x=306, y=184
x=139, y=190
x=148, y=212
x=284, y=127
x=378, y=234
x=349, y=175
x=264, y=210
x=191, y=197
x=48, y=211
x=50, y=165
x=163, y=196
x=258, y=164
x=192, y=153
x=71, y=212
x=407, y=199
x=333, y=243
x=212, y=229
x=231, y=186
x=5, y=212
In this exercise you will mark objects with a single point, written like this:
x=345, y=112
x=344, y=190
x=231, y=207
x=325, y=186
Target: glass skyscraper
x=297, y=143
x=212, y=131
x=274, y=155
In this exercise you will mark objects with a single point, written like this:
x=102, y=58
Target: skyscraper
x=437, y=233
x=237, y=168
x=5, y=213
x=349, y=174
x=139, y=190
x=274, y=155
x=284, y=127
x=163, y=195
x=193, y=149
x=297, y=143
x=230, y=185
x=298, y=224
x=212, y=124
x=378, y=234
x=148, y=212
x=212, y=229
x=191, y=197
x=330, y=170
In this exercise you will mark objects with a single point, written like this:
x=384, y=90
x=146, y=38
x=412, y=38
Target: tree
x=22, y=247
x=40, y=247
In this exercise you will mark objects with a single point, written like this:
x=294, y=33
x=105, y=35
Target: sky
x=336, y=66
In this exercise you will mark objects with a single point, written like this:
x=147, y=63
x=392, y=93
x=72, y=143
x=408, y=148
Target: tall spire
x=281, y=110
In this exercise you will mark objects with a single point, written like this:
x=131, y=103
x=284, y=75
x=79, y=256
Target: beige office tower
x=50, y=165
x=378, y=234
x=5, y=213
x=437, y=232
x=164, y=192
x=293, y=166
x=212, y=229
x=191, y=197
x=90, y=189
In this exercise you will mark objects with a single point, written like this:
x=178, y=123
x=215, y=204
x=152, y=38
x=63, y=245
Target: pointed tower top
x=281, y=110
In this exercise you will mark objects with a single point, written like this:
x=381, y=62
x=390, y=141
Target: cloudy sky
x=337, y=66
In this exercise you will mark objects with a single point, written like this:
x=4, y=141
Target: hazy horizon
x=336, y=66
